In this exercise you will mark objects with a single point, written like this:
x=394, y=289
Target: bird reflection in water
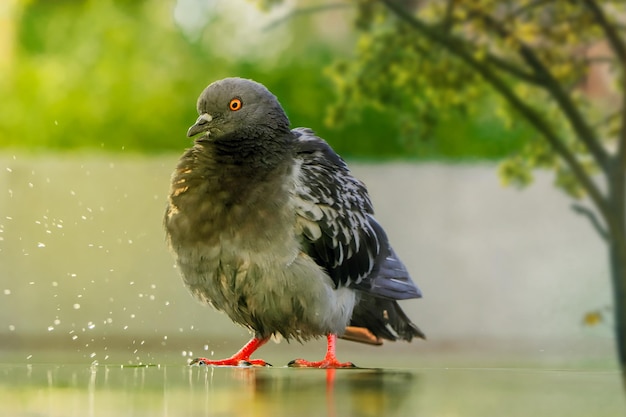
x=329, y=392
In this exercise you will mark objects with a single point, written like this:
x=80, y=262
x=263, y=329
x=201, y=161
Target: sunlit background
x=96, y=100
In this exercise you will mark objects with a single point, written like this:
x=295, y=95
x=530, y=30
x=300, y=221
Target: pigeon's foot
x=234, y=361
x=241, y=358
x=327, y=363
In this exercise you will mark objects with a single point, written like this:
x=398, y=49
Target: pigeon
x=268, y=226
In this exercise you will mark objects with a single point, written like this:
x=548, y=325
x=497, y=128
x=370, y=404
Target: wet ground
x=178, y=390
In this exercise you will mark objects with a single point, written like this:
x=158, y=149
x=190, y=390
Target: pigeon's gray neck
x=255, y=150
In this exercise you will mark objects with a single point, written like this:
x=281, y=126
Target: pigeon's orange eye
x=235, y=104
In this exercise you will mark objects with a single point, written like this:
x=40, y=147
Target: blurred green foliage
x=528, y=63
x=121, y=75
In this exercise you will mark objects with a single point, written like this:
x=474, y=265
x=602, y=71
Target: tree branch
x=618, y=173
x=583, y=131
x=585, y=211
x=448, y=20
x=528, y=7
x=616, y=42
x=512, y=69
x=461, y=50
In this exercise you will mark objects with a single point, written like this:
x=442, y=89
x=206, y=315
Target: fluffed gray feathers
x=269, y=226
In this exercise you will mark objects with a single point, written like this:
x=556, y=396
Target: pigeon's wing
x=334, y=219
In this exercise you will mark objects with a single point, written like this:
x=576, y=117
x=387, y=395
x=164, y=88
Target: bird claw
x=257, y=363
x=198, y=362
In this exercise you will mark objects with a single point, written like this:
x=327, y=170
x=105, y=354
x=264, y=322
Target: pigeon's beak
x=201, y=125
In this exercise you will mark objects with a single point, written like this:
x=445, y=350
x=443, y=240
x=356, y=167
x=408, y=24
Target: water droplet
x=7, y=292
x=57, y=322
x=41, y=245
x=11, y=327
x=76, y=306
x=50, y=328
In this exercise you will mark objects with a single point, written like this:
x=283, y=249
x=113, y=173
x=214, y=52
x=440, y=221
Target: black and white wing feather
x=334, y=218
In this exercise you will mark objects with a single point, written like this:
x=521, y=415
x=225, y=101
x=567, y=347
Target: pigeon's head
x=241, y=107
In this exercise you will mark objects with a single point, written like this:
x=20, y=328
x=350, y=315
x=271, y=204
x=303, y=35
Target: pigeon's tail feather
x=392, y=280
x=384, y=319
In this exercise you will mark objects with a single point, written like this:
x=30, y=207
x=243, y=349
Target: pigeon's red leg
x=240, y=358
x=329, y=361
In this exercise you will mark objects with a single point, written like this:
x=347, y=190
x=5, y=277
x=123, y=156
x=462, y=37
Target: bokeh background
x=96, y=99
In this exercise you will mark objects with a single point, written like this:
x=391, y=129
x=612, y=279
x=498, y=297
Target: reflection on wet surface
x=75, y=390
